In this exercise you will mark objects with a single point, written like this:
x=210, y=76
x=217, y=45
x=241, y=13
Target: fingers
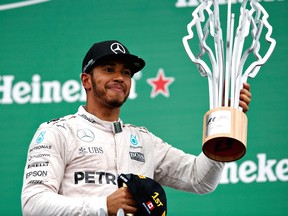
x=121, y=198
x=127, y=202
x=245, y=97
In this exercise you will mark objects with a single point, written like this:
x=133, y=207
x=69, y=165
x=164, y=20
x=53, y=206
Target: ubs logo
x=85, y=135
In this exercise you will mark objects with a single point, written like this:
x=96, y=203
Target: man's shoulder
x=56, y=122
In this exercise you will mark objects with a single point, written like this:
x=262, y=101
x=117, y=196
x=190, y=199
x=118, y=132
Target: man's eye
x=108, y=69
x=127, y=72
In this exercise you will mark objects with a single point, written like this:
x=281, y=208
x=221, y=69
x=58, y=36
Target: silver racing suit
x=73, y=163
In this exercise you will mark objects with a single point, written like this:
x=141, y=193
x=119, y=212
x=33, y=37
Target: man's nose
x=119, y=76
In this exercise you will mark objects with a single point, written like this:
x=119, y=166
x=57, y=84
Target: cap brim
x=134, y=62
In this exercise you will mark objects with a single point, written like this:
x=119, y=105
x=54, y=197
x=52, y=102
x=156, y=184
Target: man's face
x=111, y=82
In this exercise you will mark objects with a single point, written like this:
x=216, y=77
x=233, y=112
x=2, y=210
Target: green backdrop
x=42, y=44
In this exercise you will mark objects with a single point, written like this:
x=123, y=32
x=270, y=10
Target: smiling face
x=108, y=84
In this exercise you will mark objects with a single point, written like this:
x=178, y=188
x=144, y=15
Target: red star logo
x=160, y=84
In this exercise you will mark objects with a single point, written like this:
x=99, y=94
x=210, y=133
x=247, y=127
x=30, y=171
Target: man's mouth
x=117, y=88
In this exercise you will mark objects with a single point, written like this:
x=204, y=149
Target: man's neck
x=104, y=113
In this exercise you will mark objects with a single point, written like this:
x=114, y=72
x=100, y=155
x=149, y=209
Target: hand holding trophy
x=225, y=125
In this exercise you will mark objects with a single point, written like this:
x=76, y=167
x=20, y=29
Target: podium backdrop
x=42, y=44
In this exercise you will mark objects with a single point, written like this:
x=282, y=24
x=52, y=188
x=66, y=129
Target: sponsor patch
x=133, y=140
x=90, y=150
x=40, y=137
x=137, y=156
x=85, y=135
x=38, y=164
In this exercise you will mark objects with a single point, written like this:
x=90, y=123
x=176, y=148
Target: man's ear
x=86, y=81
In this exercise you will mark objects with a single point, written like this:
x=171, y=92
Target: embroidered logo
x=117, y=48
x=133, y=140
x=137, y=156
x=85, y=135
x=40, y=137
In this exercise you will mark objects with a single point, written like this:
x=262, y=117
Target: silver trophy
x=225, y=125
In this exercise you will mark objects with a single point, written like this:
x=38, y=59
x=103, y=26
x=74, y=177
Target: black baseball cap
x=149, y=194
x=110, y=50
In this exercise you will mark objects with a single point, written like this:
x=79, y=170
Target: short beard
x=102, y=96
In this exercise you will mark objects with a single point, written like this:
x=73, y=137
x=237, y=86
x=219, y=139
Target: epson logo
x=36, y=173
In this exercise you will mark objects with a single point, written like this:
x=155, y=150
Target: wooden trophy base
x=224, y=134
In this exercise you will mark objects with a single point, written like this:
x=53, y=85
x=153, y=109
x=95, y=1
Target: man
x=73, y=162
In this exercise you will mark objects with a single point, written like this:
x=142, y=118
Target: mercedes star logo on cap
x=117, y=48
